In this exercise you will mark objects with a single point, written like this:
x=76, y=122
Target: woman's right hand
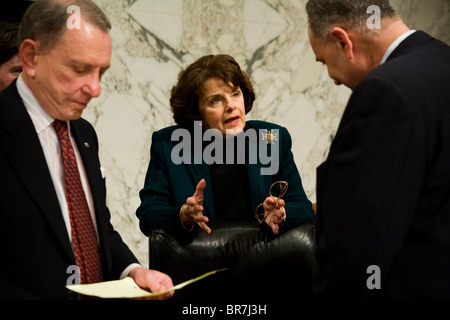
x=192, y=212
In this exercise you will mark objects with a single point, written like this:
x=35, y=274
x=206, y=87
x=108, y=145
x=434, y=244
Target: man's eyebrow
x=88, y=65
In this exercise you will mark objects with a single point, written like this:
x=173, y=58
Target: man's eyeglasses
x=277, y=190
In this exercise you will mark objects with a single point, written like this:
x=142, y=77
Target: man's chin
x=75, y=115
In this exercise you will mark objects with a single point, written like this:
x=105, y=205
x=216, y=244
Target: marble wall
x=154, y=39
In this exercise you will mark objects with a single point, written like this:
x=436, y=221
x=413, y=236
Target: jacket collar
x=410, y=43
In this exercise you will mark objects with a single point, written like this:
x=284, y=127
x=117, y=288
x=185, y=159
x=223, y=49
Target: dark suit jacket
x=34, y=242
x=383, y=194
x=168, y=185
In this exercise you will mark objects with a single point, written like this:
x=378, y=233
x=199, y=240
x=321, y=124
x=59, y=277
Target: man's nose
x=92, y=86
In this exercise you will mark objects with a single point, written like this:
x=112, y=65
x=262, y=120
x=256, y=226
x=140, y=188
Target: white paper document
x=127, y=288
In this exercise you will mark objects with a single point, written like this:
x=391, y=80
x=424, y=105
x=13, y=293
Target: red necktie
x=84, y=238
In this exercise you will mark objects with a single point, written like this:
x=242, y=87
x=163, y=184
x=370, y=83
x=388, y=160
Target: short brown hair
x=46, y=20
x=186, y=93
x=352, y=14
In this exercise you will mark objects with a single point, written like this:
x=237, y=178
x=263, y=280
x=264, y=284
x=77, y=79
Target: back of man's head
x=349, y=14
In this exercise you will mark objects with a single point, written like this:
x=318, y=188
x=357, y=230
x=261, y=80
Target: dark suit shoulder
x=9, y=94
x=165, y=134
x=417, y=42
x=12, y=110
x=167, y=131
x=418, y=60
x=419, y=72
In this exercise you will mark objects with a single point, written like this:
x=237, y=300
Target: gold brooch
x=269, y=136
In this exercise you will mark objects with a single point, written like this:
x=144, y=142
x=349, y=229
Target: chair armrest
x=252, y=257
x=205, y=253
x=167, y=255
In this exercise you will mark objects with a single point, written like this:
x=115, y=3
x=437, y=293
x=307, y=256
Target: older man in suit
x=52, y=196
x=383, y=193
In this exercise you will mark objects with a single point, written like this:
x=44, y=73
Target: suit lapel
x=259, y=184
x=88, y=148
x=255, y=179
x=24, y=150
x=87, y=145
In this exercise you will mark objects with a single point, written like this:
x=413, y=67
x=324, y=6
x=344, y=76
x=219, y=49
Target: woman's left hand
x=278, y=214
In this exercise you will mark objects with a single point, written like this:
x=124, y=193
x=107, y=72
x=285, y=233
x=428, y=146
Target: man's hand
x=152, y=280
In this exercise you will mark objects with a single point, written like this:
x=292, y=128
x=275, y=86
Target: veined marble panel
x=154, y=39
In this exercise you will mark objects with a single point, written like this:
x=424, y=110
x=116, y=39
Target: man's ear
x=342, y=39
x=29, y=53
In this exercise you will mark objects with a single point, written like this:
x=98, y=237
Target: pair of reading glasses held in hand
x=277, y=190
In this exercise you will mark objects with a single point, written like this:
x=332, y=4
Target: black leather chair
x=261, y=266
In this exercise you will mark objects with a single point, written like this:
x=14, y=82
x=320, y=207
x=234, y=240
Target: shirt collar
x=40, y=118
x=395, y=44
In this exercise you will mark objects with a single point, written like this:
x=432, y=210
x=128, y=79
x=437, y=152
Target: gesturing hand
x=192, y=211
